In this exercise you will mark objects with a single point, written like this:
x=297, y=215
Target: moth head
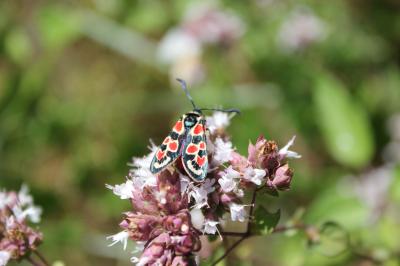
x=192, y=118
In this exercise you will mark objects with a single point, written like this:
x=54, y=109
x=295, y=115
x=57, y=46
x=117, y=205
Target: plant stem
x=41, y=257
x=229, y=250
x=243, y=235
x=253, y=202
x=32, y=261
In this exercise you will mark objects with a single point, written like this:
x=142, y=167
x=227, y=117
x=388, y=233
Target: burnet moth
x=187, y=140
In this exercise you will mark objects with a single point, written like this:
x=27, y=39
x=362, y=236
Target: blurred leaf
x=333, y=239
x=264, y=221
x=18, y=45
x=58, y=26
x=148, y=16
x=395, y=186
x=334, y=205
x=344, y=124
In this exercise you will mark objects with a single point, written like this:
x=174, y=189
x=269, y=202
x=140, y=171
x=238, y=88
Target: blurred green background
x=85, y=84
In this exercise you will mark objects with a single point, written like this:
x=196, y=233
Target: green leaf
x=264, y=221
x=272, y=192
x=344, y=123
x=333, y=239
x=334, y=205
x=18, y=46
x=58, y=26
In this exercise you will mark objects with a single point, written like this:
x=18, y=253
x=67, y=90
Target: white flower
x=210, y=227
x=124, y=191
x=200, y=194
x=286, y=152
x=229, y=179
x=217, y=120
x=140, y=173
x=238, y=213
x=200, y=197
x=254, y=175
x=5, y=199
x=207, y=185
x=138, y=248
x=143, y=176
x=23, y=196
x=177, y=45
x=10, y=221
x=33, y=213
x=300, y=30
x=4, y=257
x=223, y=151
x=22, y=206
x=185, y=183
x=119, y=237
x=227, y=185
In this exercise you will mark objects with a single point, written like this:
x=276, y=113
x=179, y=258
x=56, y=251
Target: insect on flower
x=188, y=141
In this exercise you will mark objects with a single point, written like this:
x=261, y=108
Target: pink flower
x=18, y=239
x=140, y=226
x=282, y=178
x=179, y=223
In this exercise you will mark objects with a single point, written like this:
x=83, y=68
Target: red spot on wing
x=160, y=154
x=201, y=160
x=202, y=145
x=192, y=149
x=173, y=146
x=198, y=129
x=178, y=126
x=166, y=140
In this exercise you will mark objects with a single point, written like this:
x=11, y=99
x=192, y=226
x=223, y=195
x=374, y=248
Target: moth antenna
x=231, y=110
x=185, y=89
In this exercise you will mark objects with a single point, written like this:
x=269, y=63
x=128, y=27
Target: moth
x=186, y=140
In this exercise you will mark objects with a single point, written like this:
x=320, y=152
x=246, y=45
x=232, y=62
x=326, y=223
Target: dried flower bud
x=157, y=251
x=140, y=226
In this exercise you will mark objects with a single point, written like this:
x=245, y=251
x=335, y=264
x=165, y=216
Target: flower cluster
x=17, y=238
x=301, y=30
x=170, y=211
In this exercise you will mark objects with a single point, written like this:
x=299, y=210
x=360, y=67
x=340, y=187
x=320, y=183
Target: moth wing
x=194, y=154
x=170, y=148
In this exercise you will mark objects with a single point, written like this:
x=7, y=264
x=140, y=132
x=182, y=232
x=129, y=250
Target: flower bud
x=282, y=179
x=140, y=226
x=178, y=223
x=188, y=244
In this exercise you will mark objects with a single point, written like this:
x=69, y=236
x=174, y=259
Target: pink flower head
x=170, y=211
x=17, y=238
